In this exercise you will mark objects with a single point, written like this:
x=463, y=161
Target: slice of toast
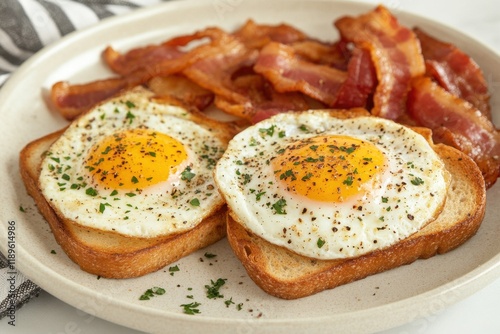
x=285, y=274
x=109, y=254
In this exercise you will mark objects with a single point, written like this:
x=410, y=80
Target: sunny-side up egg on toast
x=128, y=187
x=322, y=198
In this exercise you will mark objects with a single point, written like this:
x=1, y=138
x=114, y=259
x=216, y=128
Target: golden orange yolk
x=134, y=159
x=328, y=168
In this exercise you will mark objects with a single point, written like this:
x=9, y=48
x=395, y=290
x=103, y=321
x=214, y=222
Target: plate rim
x=471, y=282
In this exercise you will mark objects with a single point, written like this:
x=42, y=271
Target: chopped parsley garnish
x=385, y=199
x=195, y=202
x=65, y=177
x=320, y=242
x=21, y=208
x=134, y=179
x=348, y=181
x=173, y=269
x=367, y=159
x=279, y=206
x=187, y=175
x=282, y=134
x=213, y=289
x=53, y=252
x=269, y=131
x=229, y=302
x=103, y=206
x=307, y=177
x=417, y=181
x=153, y=154
x=191, y=308
x=410, y=164
x=303, y=128
x=130, y=104
x=246, y=178
x=259, y=195
x=287, y=174
x=313, y=147
x=91, y=192
x=149, y=293
x=106, y=151
x=130, y=194
x=130, y=117
x=348, y=150
x=113, y=193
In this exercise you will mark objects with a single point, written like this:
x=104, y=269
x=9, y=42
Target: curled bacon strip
x=256, y=36
x=395, y=51
x=455, y=71
x=182, y=89
x=336, y=55
x=72, y=100
x=288, y=73
x=263, y=100
x=457, y=123
x=139, y=58
x=216, y=65
x=361, y=81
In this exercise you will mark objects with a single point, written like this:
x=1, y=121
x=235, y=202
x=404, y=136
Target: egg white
x=172, y=206
x=394, y=208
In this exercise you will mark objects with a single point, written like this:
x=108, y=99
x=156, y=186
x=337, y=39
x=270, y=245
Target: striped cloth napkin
x=26, y=26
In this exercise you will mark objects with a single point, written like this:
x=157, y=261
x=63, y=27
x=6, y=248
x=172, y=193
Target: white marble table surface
x=476, y=314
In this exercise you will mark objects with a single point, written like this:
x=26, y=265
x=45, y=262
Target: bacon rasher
x=256, y=36
x=279, y=64
x=395, y=51
x=455, y=71
x=263, y=100
x=457, y=123
x=182, y=89
x=73, y=99
x=139, y=58
x=357, y=89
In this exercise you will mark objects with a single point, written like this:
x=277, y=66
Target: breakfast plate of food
x=261, y=167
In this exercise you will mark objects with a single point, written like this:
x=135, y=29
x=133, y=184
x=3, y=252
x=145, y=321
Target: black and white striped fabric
x=26, y=26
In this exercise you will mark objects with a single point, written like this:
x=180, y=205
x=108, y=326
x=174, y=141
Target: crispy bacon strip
x=256, y=36
x=336, y=55
x=454, y=70
x=263, y=100
x=72, y=100
x=361, y=81
x=215, y=69
x=139, y=58
x=279, y=64
x=182, y=89
x=458, y=123
x=395, y=52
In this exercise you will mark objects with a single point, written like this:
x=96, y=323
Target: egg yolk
x=328, y=168
x=134, y=159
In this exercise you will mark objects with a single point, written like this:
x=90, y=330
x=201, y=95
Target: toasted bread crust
x=285, y=274
x=109, y=254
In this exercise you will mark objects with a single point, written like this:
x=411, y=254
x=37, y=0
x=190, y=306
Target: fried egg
x=331, y=188
x=134, y=166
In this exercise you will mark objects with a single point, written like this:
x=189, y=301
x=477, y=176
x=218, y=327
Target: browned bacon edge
x=455, y=71
x=457, y=123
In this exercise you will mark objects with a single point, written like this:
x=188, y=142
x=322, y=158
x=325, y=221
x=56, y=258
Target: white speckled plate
x=375, y=303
